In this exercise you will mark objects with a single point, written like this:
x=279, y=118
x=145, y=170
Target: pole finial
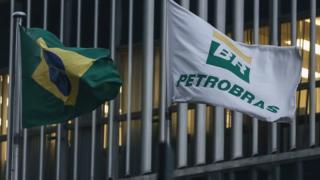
x=19, y=14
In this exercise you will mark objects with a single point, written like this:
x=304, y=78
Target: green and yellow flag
x=60, y=83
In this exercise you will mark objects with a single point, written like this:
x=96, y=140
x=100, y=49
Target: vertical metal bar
x=41, y=153
x=255, y=136
x=58, y=136
x=111, y=103
x=128, y=137
x=182, y=141
x=312, y=69
x=274, y=41
x=163, y=71
x=200, y=138
x=293, y=133
x=254, y=174
x=237, y=118
x=147, y=86
x=76, y=121
x=58, y=160
x=182, y=136
x=94, y=113
x=256, y=17
x=220, y=19
x=75, y=155
x=42, y=128
x=93, y=144
x=61, y=20
x=25, y=131
x=274, y=147
x=16, y=102
x=293, y=22
x=299, y=170
x=232, y=175
x=28, y=13
x=10, y=124
x=45, y=14
x=276, y=172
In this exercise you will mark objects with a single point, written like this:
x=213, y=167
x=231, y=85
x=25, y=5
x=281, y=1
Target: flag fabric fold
x=60, y=83
x=206, y=66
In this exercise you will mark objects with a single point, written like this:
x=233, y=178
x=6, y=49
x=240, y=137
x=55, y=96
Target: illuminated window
x=120, y=134
x=105, y=136
x=228, y=119
x=105, y=109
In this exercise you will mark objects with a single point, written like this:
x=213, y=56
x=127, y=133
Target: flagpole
x=16, y=98
x=42, y=128
x=9, y=130
x=128, y=135
x=25, y=130
x=165, y=154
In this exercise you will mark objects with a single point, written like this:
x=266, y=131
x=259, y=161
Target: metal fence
x=120, y=139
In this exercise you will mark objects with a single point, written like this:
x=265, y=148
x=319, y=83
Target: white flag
x=206, y=66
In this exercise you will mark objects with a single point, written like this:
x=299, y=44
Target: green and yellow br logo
x=226, y=55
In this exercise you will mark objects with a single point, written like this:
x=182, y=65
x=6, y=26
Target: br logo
x=226, y=55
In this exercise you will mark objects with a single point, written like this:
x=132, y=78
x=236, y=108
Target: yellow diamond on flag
x=59, y=71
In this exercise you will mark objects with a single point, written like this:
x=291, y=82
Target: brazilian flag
x=60, y=83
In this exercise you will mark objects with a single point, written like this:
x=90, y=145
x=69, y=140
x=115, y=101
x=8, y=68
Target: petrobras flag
x=206, y=66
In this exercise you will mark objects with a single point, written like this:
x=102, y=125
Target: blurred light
x=317, y=21
x=305, y=73
x=190, y=127
x=120, y=134
x=105, y=136
x=228, y=119
x=305, y=45
x=106, y=110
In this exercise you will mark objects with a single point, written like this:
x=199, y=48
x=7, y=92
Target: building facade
x=207, y=142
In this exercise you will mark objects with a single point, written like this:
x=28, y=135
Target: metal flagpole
x=220, y=17
x=148, y=55
x=9, y=131
x=182, y=136
x=293, y=126
x=25, y=131
x=165, y=152
x=112, y=102
x=237, y=123
x=42, y=128
x=58, y=136
x=200, y=124
x=163, y=104
x=128, y=137
x=274, y=41
x=274, y=126
x=312, y=80
x=16, y=102
x=255, y=123
x=76, y=121
x=94, y=113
